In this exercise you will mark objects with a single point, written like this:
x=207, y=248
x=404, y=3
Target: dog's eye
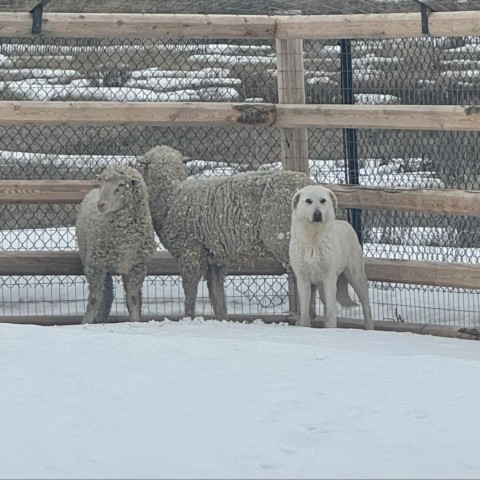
x=308, y=201
x=323, y=200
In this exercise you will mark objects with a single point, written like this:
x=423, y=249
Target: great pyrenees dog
x=325, y=254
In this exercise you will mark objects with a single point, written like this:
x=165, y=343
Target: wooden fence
x=290, y=114
x=388, y=25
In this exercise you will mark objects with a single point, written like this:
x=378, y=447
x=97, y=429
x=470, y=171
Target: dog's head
x=314, y=204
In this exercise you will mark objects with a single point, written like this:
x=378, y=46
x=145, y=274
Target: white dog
x=324, y=251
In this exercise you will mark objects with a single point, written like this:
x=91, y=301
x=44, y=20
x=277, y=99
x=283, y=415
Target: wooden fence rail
x=391, y=271
x=389, y=117
x=436, y=201
x=387, y=25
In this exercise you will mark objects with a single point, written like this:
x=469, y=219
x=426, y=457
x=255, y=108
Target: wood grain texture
x=378, y=25
x=135, y=113
x=44, y=191
x=291, y=90
x=388, y=117
x=439, y=201
x=392, y=271
x=138, y=25
x=135, y=25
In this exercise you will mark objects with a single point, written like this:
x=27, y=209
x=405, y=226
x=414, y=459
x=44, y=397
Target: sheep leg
x=216, y=290
x=190, y=287
x=313, y=302
x=97, y=282
x=192, y=270
x=107, y=299
x=132, y=283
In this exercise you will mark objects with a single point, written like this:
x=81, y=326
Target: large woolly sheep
x=115, y=235
x=207, y=224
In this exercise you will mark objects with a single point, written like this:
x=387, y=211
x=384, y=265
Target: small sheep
x=207, y=224
x=115, y=235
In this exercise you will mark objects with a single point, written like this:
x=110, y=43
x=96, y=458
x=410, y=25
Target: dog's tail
x=343, y=298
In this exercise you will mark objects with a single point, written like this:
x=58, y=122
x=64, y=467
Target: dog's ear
x=295, y=200
x=334, y=199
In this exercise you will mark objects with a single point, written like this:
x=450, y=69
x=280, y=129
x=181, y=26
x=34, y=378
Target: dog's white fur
x=322, y=251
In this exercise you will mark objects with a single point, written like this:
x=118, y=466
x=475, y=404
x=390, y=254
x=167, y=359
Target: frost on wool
x=208, y=224
x=115, y=235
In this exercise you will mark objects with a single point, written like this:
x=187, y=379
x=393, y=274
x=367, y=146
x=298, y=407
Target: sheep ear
x=334, y=199
x=98, y=178
x=186, y=159
x=134, y=182
x=295, y=200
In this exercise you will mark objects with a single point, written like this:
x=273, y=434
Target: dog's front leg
x=304, y=296
x=313, y=302
x=330, y=293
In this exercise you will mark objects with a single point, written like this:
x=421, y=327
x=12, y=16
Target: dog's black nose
x=317, y=216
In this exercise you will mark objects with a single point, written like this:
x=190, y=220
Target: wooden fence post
x=291, y=89
x=293, y=141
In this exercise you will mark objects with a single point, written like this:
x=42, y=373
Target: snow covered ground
x=200, y=399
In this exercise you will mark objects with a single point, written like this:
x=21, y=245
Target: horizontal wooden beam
x=134, y=25
x=118, y=25
x=448, y=331
x=385, y=117
x=69, y=263
x=390, y=271
x=383, y=25
x=44, y=191
x=388, y=117
x=440, y=274
x=135, y=113
x=436, y=201
x=444, y=202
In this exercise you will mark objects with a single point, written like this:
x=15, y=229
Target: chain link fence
x=413, y=71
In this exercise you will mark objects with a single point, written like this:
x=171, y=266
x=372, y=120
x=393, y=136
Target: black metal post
x=350, y=134
x=37, y=12
x=424, y=11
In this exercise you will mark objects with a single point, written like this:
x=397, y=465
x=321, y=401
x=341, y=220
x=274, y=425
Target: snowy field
x=200, y=399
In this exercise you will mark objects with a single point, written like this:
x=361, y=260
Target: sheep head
x=115, y=183
x=163, y=164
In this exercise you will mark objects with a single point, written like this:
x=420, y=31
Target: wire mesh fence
x=412, y=71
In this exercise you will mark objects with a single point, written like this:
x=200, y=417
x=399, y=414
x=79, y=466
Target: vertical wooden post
x=291, y=89
x=294, y=141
